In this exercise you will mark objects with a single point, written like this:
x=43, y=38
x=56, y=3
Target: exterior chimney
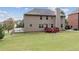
x=58, y=18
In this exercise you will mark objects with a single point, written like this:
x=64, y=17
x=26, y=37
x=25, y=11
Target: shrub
x=68, y=27
x=1, y=32
x=52, y=30
x=75, y=29
x=55, y=29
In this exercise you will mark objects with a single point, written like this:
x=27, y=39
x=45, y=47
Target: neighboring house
x=37, y=19
x=73, y=20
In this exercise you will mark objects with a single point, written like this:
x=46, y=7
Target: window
x=40, y=25
x=40, y=17
x=61, y=25
x=51, y=25
x=30, y=25
x=46, y=17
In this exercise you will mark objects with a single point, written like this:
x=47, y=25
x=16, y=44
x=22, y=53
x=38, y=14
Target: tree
x=9, y=24
x=1, y=31
x=19, y=24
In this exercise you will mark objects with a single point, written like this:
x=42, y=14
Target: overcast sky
x=17, y=12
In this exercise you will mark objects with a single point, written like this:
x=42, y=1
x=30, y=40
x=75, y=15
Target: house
x=37, y=19
x=73, y=19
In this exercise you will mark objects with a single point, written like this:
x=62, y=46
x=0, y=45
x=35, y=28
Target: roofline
x=73, y=13
x=39, y=15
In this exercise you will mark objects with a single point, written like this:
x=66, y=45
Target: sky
x=18, y=12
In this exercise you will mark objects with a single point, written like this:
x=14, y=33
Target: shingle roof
x=38, y=11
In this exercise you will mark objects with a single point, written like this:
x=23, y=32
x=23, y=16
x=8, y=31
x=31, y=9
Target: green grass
x=40, y=41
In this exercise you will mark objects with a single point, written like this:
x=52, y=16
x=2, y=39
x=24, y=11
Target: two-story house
x=37, y=19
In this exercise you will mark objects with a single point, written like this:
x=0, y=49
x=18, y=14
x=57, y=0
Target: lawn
x=40, y=41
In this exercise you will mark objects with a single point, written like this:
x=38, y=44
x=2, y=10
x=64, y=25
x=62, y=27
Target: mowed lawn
x=40, y=41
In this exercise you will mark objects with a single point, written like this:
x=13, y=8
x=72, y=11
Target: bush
x=55, y=29
x=67, y=27
x=75, y=29
x=1, y=32
x=51, y=30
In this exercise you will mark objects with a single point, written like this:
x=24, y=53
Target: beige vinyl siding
x=35, y=21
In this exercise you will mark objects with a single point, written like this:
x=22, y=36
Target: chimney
x=58, y=18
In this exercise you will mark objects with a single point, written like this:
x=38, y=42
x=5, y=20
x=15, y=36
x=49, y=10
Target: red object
x=51, y=30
